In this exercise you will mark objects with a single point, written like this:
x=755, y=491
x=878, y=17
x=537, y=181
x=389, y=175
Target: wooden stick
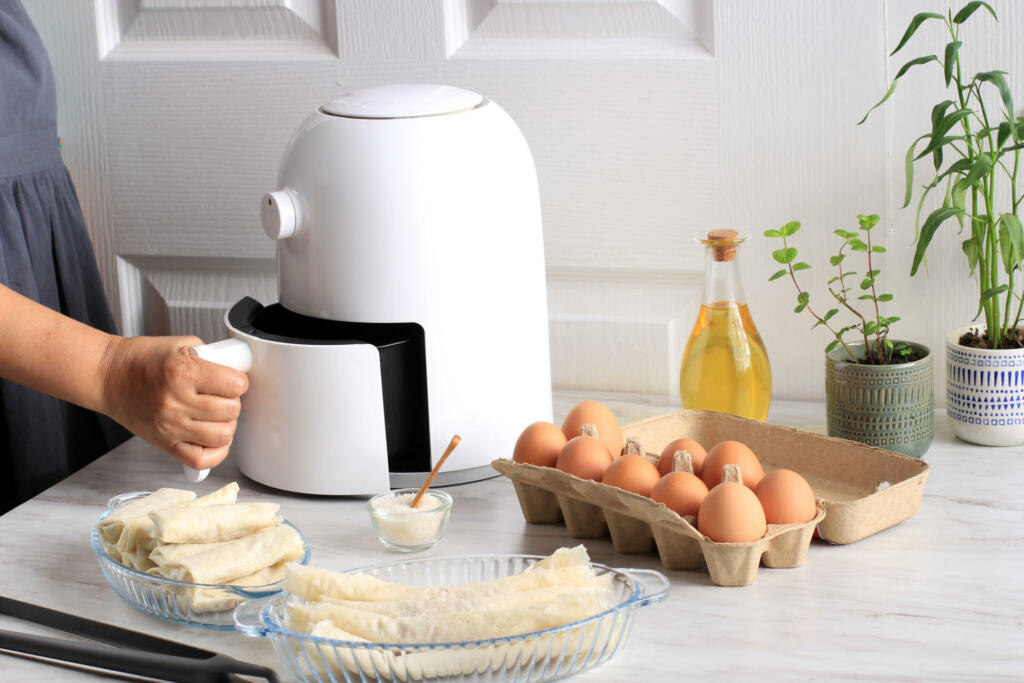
x=437, y=468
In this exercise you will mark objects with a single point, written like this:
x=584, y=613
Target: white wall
x=649, y=121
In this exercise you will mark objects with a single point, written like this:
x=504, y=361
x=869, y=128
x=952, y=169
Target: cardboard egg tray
x=860, y=490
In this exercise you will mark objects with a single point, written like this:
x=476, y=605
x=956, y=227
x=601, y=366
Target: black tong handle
x=135, y=653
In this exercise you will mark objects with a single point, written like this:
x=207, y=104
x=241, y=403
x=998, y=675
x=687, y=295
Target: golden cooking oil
x=725, y=366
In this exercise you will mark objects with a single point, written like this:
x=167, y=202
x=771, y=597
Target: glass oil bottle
x=725, y=366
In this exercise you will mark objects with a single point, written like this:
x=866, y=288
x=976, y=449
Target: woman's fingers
x=219, y=380
x=198, y=457
x=209, y=408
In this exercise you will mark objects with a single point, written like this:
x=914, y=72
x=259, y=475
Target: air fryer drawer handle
x=233, y=353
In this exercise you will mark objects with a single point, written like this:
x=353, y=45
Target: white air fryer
x=412, y=298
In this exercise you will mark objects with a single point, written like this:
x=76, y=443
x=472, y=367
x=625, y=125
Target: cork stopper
x=633, y=446
x=725, y=251
x=732, y=473
x=682, y=462
x=589, y=430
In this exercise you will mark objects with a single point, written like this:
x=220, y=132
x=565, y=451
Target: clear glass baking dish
x=194, y=604
x=543, y=655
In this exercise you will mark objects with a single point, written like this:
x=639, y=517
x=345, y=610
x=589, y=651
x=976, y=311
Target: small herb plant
x=873, y=328
x=983, y=146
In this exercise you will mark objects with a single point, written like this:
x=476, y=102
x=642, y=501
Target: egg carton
x=864, y=489
x=637, y=524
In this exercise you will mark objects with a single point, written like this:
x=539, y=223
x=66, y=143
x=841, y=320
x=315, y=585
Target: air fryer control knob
x=280, y=214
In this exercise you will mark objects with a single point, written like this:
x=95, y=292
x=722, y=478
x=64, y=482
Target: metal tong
x=133, y=652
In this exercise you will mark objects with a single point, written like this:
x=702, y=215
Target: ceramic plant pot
x=985, y=393
x=889, y=406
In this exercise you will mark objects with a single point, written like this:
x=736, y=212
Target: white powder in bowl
x=408, y=526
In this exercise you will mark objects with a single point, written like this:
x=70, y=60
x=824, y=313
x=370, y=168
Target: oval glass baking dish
x=193, y=604
x=542, y=655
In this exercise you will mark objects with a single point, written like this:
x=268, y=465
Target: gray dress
x=45, y=255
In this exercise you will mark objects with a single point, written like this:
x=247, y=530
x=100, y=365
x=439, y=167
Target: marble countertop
x=938, y=597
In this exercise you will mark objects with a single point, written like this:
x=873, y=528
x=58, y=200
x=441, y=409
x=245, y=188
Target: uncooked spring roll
x=112, y=525
x=314, y=584
x=173, y=553
x=137, y=540
x=239, y=557
x=212, y=523
x=500, y=601
x=460, y=626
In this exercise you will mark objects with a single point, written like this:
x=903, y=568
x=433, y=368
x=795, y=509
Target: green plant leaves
x=836, y=260
x=1005, y=131
x=915, y=23
x=831, y=345
x=845, y=234
x=986, y=295
x=908, y=167
x=970, y=8
x=903, y=69
x=981, y=167
x=972, y=251
x=867, y=222
x=777, y=274
x=831, y=312
x=785, y=255
x=1011, y=241
x=878, y=248
x=801, y=266
x=996, y=79
x=790, y=228
x=801, y=299
x=772, y=233
x=931, y=224
x=941, y=127
x=857, y=245
x=885, y=297
x=949, y=60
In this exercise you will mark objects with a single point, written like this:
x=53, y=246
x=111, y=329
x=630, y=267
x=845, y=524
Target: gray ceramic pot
x=889, y=406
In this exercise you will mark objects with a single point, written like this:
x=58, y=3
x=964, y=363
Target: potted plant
x=974, y=145
x=879, y=391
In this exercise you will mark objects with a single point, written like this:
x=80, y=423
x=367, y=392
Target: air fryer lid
x=403, y=369
x=403, y=101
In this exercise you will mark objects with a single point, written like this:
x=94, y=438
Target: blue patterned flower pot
x=985, y=393
x=889, y=406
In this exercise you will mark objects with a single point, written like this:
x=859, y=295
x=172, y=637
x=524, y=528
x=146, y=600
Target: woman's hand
x=160, y=390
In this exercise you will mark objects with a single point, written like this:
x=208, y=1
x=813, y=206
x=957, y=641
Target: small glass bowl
x=412, y=529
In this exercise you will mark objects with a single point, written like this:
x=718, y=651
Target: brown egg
x=731, y=513
x=596, y=414
x=584, y=456
x=786, y=497
x=632, y=473
x=697, y=455
x=539, y=444
x=731, y=453
x=680, y=491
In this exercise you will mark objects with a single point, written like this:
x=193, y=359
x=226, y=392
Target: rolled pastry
x=239, y=557
x=473, y=624
x=601, y=585
x=137, y=540
x=175, y=552
x=315, y=584
x=112, y=525
x=212, y=523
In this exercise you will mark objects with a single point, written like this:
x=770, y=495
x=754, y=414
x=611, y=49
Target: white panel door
x=650, y=121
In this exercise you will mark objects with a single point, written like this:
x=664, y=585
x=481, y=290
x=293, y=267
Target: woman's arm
x=154, y=386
